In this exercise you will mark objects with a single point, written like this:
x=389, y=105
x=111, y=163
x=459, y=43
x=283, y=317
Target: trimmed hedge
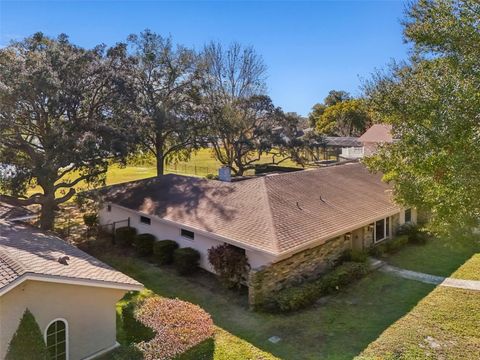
x=415, y=234
x=298, y=297
x=27, y=342
x=125, y=236
x=163, y=251
x=389, y=246
x=178, y=327
x=144, y=244
x=186, y=260
x=355, y=256
x=134, y=330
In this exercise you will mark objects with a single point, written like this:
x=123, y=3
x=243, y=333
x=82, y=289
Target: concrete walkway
x=427, y=278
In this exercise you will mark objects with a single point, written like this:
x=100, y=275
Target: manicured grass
x=201, y=163
x=339, y=328
x=444, y=325
x=439, y=256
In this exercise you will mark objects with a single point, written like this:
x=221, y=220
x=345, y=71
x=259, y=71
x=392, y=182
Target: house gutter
x=200, y=231
x=276, y=255
x=70, y=281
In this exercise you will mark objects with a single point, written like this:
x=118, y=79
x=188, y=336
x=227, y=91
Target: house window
x=109, y=208
x=381, y=229
x=408, y=215
x=145, y=220
x=56, y=338
x=387, y=227
x=187, y=234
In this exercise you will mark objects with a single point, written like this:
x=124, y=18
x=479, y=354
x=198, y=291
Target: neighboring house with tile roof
x=274, y=218
x=377, y=134
x=70, y=293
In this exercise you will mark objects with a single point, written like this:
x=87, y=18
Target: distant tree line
x=340, y=115
x=67, y=112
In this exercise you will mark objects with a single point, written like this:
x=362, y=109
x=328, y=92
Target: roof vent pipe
x=225, y=174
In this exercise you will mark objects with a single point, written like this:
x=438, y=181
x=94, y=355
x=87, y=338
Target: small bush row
x=163, y=252
x=301, y=296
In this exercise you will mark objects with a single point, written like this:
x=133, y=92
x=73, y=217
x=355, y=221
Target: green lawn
x=440, y=256
x=444, y=325
x=201, y=163
x=339, y=329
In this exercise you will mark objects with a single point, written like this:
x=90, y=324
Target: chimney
x=224, y=174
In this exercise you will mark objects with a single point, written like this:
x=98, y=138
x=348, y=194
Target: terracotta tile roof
x=378, y=133
x=274, y=213
x=25, y=250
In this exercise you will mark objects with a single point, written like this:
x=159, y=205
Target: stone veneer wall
x=310, y=263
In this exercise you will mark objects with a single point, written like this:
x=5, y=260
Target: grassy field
x=340, y=328
x=201, y=163
x=444, y=325
x=440, y=256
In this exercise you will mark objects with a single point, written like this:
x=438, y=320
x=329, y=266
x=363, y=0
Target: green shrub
x=90, y=220
x=144, y=244
x=396, y=243
x=186, y=260
x=378, y=250
x=415, y=234
x=27, y=343
x=355, y=255
x=134, y=330
x=125, y=236
x=230, y=263
x=298, y=297
x=163, y=251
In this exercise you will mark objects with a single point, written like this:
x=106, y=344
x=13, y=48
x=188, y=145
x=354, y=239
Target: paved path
x=429, y=279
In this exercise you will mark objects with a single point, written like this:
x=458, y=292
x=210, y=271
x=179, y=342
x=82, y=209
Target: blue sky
x=309, y=47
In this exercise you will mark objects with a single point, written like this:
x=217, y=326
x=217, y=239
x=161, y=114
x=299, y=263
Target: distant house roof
x=28, y=253
x=342, y=141
x=10, y=212
x=378, y=133
x=276, y=214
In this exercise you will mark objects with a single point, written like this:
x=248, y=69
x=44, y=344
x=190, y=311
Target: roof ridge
x=271, y=220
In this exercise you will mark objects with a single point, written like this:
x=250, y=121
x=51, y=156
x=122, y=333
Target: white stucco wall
x=171, y=231
x=89, y=311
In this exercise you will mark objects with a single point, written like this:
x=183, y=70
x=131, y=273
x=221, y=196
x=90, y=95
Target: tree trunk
x=47, y=214
x=159, y=154
x=160, y=165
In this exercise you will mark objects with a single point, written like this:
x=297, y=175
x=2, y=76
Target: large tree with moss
x=433, y=103
x=61, y=119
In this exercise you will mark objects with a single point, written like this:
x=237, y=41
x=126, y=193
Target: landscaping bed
x=338, y=327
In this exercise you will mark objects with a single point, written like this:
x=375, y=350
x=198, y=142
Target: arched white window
x=56, y=338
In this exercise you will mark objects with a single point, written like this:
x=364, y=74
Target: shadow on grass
x=203, y=351
x=448, y=313
x=338, y=328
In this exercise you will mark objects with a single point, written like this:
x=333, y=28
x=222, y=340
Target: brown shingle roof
x=275, y=213
x=25, y=250
x=10, y=212
x=378, y=133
